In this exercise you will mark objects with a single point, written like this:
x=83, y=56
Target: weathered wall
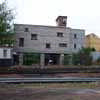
x=48, y=34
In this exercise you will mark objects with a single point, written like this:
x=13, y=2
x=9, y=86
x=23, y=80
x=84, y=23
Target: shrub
x=31, y=58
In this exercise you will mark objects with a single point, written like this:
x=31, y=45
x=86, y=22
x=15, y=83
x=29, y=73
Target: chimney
x=61, y=21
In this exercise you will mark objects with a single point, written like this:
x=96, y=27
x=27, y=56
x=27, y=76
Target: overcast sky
x=82, y=14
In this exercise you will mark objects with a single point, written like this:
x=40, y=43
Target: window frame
x=48, y=45
x=60, y=34
x=75, y=36
x=5, y=53
x=21, y=42
x=63, y=45
x=75, y=46
x=26, y=29
x=34, y=37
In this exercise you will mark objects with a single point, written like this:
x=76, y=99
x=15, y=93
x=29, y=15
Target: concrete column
x=21, y=59
x=61, y=59
x=42, y=60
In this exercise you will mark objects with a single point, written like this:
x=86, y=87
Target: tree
x=6, y=18
x=6, y=25
x=83, y=57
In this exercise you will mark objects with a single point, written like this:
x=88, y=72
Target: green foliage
x=83, y=57
x=75, y=59
x=6, y=41
x=93, y=49
x=6, y=18
x=31, y=58
x=66, y=59
x=6, y=25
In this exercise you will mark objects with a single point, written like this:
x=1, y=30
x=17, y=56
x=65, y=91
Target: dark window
x=59, y=34
x=75, y=36
x=62, y=45
x=64, y=22
x=47, y=45
x=74, y=46
x=5, y=53
x=21, y=42
x=33, y=36
x=26, y=30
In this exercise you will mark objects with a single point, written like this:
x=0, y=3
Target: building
x=48, y=42
x=93, y=41
x=6, y=49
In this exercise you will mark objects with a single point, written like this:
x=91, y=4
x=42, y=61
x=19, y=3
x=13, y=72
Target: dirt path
x=50, y=94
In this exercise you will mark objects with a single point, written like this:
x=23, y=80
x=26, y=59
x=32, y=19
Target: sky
x=82, y=14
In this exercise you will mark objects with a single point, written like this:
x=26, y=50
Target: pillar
x=42, y=60
x=21, y=59
x=61, y=59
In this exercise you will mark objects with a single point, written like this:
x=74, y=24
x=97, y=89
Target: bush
x=67, y=59
x=83, y=57
x=31, y=58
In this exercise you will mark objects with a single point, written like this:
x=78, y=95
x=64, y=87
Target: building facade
x=50, y=42
x=6, y=56
x=6, y=49
x=93, y=41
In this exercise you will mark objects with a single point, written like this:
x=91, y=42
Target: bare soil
x=48, y=94
x=66, y=91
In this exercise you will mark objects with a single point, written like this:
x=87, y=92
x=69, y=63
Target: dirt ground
x=47, y=92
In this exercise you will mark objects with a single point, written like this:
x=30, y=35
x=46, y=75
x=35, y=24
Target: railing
x=47, y=80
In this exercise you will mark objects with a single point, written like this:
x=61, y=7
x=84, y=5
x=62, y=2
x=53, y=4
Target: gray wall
x=48, y=34
x=79, y=40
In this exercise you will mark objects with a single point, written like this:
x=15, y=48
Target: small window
x=26, y=30
x=59, y=34
x=62, y=45
x=33, y=36
x=48, y=45
x=5, y=52
x=75, y=36
x=21, y=42
x=74, y=46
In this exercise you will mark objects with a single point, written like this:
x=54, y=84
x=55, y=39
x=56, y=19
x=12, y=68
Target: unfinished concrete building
x=48, y=42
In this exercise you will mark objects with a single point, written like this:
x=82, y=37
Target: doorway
x=52, y=56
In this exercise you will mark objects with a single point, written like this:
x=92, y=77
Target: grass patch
x=52, y=85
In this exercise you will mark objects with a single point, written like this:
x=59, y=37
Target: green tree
x=83, y=57
x=6, y=18
x=6, y=25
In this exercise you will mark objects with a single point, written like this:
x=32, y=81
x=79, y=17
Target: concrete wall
x=79, y=40
x=48, y=34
